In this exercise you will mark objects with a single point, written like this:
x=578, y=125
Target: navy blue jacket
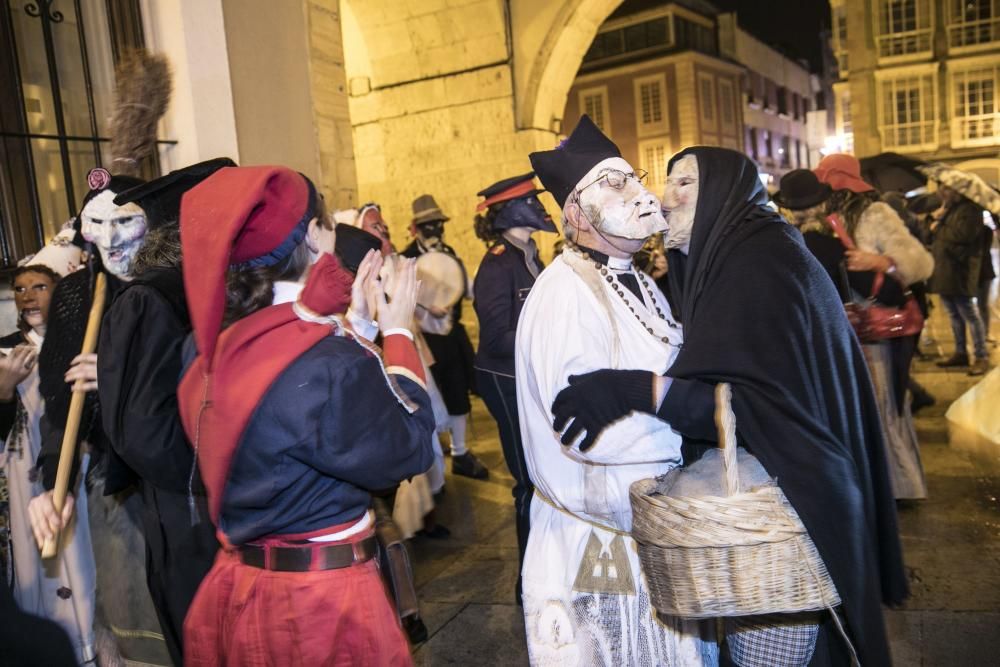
x=501, y=286
x=327, y=432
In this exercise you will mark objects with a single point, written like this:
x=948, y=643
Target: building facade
x=920, y=77
x=653, y=81
x=661, y=77
x=777, y=95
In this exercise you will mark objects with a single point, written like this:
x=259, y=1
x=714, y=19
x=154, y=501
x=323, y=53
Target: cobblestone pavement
x=951, y=543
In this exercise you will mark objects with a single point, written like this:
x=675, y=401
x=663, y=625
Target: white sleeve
x=569, y=335
x=881, y=230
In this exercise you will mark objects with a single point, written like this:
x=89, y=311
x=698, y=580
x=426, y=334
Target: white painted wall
x=201, y=117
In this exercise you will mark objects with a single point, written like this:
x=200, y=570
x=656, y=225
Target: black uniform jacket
x=501, y=286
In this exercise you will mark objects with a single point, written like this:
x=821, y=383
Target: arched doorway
x=446, y=101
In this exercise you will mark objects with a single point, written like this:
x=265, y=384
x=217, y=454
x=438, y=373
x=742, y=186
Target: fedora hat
x=425, y=210
x=801, y=189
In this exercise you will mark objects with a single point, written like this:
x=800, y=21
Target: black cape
x=760, y=313
x=67, y=324
x=141, y=341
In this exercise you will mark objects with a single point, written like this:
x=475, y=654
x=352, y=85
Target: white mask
x=628, y=212
x=680, y=199
x=117, y=231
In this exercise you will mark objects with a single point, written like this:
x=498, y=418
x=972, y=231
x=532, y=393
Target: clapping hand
x=365, y=288
x=397, y=313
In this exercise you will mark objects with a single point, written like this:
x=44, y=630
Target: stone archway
x=446, y=98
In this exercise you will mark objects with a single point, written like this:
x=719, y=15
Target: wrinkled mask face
x=680, y=199
x=615, y=201
x=117, y=231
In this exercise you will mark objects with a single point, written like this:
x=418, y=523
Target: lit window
x=976, y=109
x=594, y=103
x=651, y=104
x=904, y=28
x=907, y=111
x=653, y=156
x=840, y=39
x=844, y=125
x=706, y=98
x=973, y=23
x=726, y=104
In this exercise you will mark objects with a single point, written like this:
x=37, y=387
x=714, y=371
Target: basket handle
x=725, y=421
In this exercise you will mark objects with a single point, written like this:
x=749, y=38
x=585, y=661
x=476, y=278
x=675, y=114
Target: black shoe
x=922, y=400
x=954, y=361
x=415, y=629
x=438, y=532
x=468, y=465
x=980, y=366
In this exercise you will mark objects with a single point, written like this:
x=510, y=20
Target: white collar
x=286, y=291
x=619, y=263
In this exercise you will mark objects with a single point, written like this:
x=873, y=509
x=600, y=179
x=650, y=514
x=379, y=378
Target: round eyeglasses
x=617, y=178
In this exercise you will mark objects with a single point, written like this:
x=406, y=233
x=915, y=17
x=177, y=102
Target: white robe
x=574, y=322
x=37, y=582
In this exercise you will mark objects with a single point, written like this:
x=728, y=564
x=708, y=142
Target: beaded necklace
x=619, y=289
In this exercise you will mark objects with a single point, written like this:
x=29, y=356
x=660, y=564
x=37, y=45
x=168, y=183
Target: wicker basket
x=743, y=554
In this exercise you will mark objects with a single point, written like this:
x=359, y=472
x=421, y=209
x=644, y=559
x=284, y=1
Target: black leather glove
x=595, y=400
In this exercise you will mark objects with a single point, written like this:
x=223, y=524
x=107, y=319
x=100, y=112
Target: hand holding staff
x=68, y=452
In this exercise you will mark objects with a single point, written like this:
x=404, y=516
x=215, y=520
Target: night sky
x=793, y=26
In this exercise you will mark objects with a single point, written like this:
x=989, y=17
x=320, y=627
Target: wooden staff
x=68, y=452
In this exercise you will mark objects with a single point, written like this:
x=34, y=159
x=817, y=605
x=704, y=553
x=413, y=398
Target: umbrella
x=966, y=183
x=892, y=172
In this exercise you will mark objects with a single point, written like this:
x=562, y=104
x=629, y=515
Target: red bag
x=871, y=320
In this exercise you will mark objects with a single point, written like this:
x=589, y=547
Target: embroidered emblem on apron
x=605, y=569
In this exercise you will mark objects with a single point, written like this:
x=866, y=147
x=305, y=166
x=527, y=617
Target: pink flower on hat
x=98, y=178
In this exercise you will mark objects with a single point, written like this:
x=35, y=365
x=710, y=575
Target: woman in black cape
x=760, y=313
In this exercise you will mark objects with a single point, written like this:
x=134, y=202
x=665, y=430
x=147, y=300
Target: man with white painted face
x=585, y=600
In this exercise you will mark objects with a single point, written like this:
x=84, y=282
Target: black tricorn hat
x=353, y=244
x=160, y=198
x=801, y=189
x=561, y=169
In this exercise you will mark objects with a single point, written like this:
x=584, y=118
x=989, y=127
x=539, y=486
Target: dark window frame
x=21, y=229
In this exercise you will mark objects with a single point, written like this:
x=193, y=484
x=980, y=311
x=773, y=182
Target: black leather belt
x=309, y=557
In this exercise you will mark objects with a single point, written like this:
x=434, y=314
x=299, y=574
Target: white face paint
x=680, y=199
x=629, y=212
x=117, y=231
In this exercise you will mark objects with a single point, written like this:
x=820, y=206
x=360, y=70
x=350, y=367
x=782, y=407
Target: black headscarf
x=760, y=313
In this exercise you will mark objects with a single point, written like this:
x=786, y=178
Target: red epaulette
x=498, y=249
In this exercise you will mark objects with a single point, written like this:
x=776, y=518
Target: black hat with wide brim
x=160, y=198
x=801, y=189
x=561, y=169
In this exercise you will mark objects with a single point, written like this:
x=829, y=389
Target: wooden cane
x=68, y=451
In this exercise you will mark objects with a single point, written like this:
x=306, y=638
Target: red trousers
x=244, y=616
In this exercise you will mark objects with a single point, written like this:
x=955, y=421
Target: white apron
x=585, y=599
